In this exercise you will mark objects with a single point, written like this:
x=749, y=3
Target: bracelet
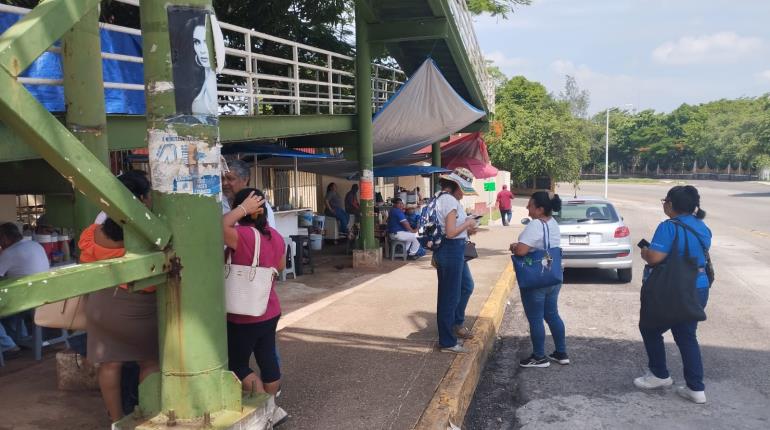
x=245, y=213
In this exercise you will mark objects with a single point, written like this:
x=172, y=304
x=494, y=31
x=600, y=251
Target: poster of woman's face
x=195, y=83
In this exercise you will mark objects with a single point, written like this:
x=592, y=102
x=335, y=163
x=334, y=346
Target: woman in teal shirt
x=682, y=203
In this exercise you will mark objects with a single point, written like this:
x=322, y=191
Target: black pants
x=259, y=338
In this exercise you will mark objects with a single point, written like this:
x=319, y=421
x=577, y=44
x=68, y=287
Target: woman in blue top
x=682, y=203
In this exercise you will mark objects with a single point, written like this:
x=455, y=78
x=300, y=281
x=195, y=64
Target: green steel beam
x=418, y=29
x=126, y=132
x=84, y=97
x=27, y=39
x=482, y=126
x=40, y=130
x=365, y=136
x=29, y=292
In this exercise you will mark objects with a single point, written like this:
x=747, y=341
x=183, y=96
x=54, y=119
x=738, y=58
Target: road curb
x=454, y=393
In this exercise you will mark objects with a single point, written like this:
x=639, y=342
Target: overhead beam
x=29, y=292
x=32, y=177
x=125, y=132
x=402, y=31
x=482, y=126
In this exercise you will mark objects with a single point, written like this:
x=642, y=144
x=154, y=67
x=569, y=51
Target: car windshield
x=586, y=212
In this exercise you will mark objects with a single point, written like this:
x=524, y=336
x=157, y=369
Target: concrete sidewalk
x=357, y=349
x=366, y=358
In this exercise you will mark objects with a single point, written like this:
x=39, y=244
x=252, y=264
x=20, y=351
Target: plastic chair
x=394, y=244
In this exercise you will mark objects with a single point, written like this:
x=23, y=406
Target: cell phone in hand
x=643, y=244
x=477, y=217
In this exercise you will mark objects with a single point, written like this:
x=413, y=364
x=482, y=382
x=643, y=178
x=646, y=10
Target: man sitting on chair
x=400, y=229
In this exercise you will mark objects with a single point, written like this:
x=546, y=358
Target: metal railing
x=464, y=20
x=265, y=74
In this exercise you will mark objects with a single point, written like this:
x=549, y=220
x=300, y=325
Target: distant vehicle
x=593, y=235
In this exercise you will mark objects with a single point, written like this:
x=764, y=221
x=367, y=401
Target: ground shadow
x=750, y=195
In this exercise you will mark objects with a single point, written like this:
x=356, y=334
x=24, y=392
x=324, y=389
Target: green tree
x=540, y=135
x=496, y=7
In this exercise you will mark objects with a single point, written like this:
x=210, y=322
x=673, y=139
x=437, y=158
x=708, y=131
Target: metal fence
x=265, y=74
x=677, y=176
x=464, y=20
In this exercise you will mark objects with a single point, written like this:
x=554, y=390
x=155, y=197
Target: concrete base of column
x=257, y=414
x=367, y=258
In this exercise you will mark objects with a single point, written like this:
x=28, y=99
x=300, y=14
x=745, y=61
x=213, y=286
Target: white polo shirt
x=23, y=258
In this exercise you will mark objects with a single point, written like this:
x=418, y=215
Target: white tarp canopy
x=425, y=110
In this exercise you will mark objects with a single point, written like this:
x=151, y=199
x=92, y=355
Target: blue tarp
x=263, y=149
x=396, y=171
x=117, y=101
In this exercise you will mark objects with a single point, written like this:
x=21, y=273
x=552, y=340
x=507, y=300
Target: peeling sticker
x=102, y=201
x=157, y=242
x=154, y=48
x=184, y=164
x=162, y=86
x=147, y=215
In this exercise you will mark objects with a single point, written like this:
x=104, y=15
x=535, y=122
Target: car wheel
x=625, y=275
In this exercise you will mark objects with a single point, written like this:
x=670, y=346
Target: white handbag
x=247, y=288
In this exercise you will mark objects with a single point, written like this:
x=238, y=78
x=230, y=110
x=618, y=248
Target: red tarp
x=469, y=151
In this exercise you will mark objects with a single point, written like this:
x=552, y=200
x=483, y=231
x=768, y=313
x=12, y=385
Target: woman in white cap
x=455, y=283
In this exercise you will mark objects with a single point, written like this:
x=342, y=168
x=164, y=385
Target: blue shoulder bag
x=541, y=267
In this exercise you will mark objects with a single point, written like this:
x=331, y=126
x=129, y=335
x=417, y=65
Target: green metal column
x=436, y=156
x=364, y=110
x=84, y=98
x=194, y=381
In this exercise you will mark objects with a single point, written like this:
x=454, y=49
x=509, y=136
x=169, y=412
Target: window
x=586, y=212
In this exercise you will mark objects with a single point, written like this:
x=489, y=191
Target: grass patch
x=485, y=218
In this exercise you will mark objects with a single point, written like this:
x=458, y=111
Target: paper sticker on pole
x=366, y=185
x=183, y=164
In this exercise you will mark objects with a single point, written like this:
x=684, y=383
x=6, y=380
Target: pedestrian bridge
x=271, y=87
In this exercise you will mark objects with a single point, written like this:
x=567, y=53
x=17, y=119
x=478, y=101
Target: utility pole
x=194, y=386
x=607, y=154
x=371, y=254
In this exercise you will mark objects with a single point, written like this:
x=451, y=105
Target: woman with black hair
x=455, y=281
x=542, y=303
x=682, y=206
x=194, y=78
x=248, y=334
x=122, y=326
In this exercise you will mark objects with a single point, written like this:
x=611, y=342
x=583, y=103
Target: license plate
x=578, y=240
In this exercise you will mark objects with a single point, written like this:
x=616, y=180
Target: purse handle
x=254, y=261
x=546, y=235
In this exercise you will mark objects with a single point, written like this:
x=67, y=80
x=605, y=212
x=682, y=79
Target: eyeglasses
x=664, y=201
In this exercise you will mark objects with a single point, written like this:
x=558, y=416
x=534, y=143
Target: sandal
x=463, y=332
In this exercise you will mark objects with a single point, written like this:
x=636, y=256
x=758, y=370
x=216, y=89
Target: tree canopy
x=540, y=135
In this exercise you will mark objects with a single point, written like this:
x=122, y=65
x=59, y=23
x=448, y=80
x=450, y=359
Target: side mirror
x=525, y=221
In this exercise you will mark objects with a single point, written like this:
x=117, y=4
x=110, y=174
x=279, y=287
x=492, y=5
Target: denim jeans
x=687, y=341
x=343, y=219
x=6, y=342
x=506, y=215
x=542, y=304
x=455, y=285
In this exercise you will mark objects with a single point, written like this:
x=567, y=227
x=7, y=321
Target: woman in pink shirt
x=248, y=334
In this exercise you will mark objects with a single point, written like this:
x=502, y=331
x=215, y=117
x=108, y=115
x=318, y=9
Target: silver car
x=593, y=235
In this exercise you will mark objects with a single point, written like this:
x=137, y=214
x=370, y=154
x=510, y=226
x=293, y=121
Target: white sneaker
x=279, y=416
x=698, y=397
x=650, y=381
x=457, y=349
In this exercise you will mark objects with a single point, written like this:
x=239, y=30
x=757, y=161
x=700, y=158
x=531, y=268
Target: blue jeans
x=455, y=285
x=506, y=215
x=687, y=341
x=542, y=304
x=6, y=342
x=343, y=218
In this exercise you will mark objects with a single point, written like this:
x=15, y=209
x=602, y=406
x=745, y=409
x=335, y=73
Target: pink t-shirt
x=504, y=198
x=271, y=251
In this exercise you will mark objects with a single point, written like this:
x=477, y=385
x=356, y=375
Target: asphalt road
x=601, y=316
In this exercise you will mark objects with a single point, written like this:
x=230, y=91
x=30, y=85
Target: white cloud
x=717, y=48
x=511, y=66
x=765, y=76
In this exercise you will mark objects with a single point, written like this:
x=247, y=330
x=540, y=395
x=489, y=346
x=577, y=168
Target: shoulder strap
x=546, y=235
x=257, y=238
x=691, y=230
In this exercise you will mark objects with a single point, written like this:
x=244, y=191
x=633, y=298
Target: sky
x=636, y=54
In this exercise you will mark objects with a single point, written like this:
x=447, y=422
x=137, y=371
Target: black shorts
x=259, y=338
